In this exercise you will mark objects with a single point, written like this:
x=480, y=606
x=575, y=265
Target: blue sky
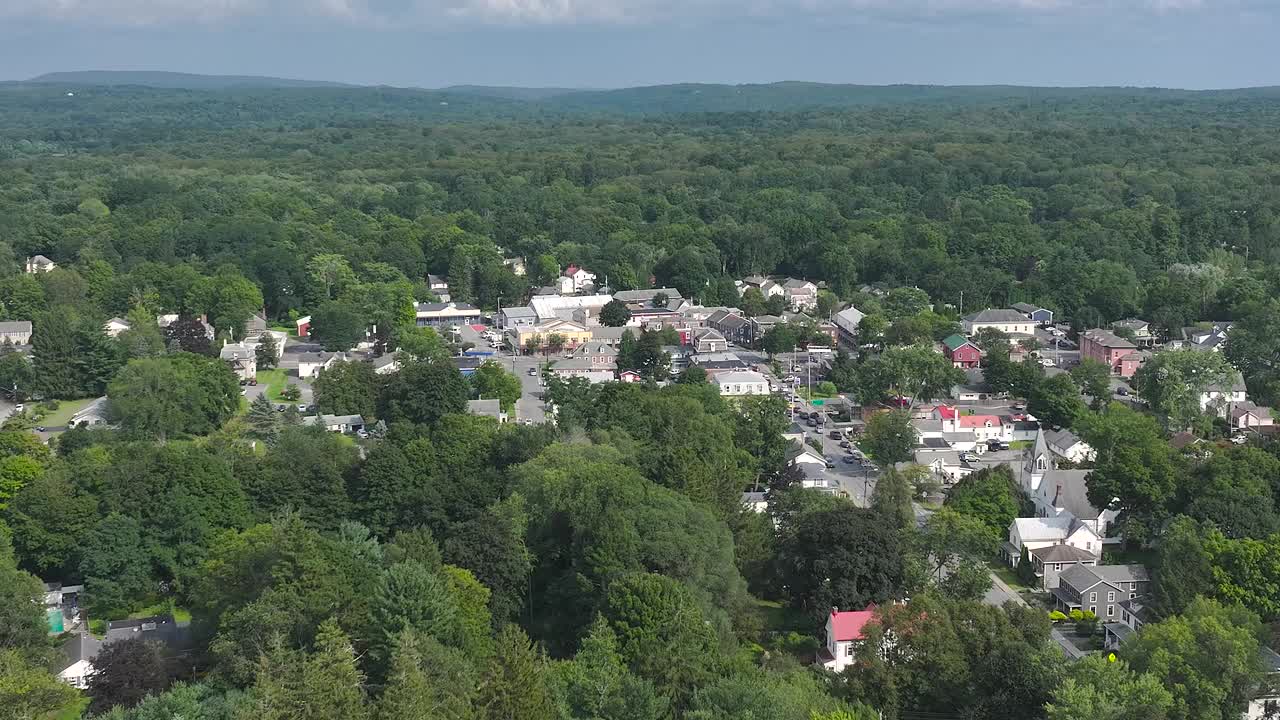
x=618, y=43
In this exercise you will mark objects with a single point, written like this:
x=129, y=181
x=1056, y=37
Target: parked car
x=850, y=459
x=1122, y=391
x=39, y=428
x=302, y=407
x=19, y=408
x=844, y=443
x=533, y=372
x=281, y=407
x=835, y=435
x=830, y=465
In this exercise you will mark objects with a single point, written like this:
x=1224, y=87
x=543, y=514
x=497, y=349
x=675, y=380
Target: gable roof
x=646, y=295
x=849, y=318
x=740, y=376
x=850, y=624
x=1107, y=339
x=955, y=342
x=1062, y=554
x=1026, y=308
x=1068, y=489
x=1082, y=577
x=1062, y=438
x=80, y=646
x=1054, y=528
x=1000, y=315
x=491, y=407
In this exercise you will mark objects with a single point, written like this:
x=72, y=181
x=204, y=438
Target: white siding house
x=743, y=382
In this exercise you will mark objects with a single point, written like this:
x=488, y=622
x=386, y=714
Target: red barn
x=961, y=352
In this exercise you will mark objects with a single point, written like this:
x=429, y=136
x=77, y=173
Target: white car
x=1047, y=362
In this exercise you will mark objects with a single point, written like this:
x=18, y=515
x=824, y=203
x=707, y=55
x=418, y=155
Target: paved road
x=855, y=479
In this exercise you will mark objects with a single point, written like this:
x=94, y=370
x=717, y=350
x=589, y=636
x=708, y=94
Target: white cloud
x=418, y=13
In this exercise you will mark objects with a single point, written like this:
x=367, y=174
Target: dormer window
x=1040, y=463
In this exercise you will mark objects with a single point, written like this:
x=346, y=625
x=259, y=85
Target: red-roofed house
x=845, y=630
x=981, y=427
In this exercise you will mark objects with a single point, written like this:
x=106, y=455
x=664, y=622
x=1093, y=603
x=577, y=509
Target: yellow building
x=574, y=334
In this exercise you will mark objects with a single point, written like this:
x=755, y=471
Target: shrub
x=1057, y=616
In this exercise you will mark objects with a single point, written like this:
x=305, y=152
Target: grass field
x=1008, y=576
x=66, y=408
x=163, y=608
x=275, y=380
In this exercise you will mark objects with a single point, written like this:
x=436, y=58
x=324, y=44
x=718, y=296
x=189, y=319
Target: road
x=858, y=480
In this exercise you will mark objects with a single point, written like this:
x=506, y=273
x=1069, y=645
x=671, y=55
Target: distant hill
x=174, y=80
x=511, y=93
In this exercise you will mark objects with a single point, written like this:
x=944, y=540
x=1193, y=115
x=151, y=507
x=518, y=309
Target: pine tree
x=515, y=686
x=333, y=685
x=98, y=360
x=264, y=419
x=267, y=351
x=428, y=681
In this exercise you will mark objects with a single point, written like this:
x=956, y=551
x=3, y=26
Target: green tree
x=125, y=672
x=337, y=326
x=916, y=372
x=615, y=314
x=842, y=557
x=889, y=438
x=991, y=495
x=267, y=351
x=424, y=344
x=325, y=684
x=778, y=339
x=1094, y=380
x=54, y=350
x=957, y=545
x=1056, y=401
x=29, y=691
x=175, y=394
x=597, y=685
x=411, y=597
x=49, y=517
x=516, y=685
x=471, y=598
x=143, y=337
x=891, y=499
x=1097, y=688
x=491, y=381
x=347, y=388
x=428, y=681
x=264, y=422
x=1135, y=470
x=115, y=566
x=22, y=621
x=1174, y=381
x=423, y=392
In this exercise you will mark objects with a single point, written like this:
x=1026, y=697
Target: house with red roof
x=845, y=631
x=982, y=428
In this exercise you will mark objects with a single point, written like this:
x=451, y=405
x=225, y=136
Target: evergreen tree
x=267, y=351
x=891, y=499
x=516, y=684
x=427, y=681
x=409, y=596
x=263, y=419
x=54, y=350
x=596, y=684
x=143, y=337
x=22, y=621
x=125, y=672
x=116, y=567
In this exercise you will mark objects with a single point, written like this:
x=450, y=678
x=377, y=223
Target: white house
x=1066, y=444
x=1041, y=532
x=1245, y=415
x=76, y=664
x=801, y=294
x=487, y=408
x=1005, y=320
x=310, y=364
x=847, y=321
x=1219, y=397
x=39, y=264
x=982, y=428
x=576, y=280
x=593, y=370
x=115, y=326
x=1061, y=492
x=742, y=382
x=336, y=423
x=438, y=287
x=17, y=332
x=801, y=453
x=767, y=287
x=242, y=358
x=95, y=413
x=845, y=631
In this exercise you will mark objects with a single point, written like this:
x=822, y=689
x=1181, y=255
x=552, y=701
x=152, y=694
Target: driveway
x=1000, y=593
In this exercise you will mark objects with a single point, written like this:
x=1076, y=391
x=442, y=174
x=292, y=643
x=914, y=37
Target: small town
x=330, y=400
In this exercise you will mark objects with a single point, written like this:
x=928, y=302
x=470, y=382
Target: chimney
x=1057, y=493
x=834, y=609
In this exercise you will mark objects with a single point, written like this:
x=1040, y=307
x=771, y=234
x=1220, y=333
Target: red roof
x=570, y=270
x=848, y=625
x=947, y=412
x=977, y=421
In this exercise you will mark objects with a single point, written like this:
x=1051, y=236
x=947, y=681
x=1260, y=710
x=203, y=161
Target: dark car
x=835, y=434
x=845, y=443
x=830, y=465
x=812, y=422
x=1122, y=391
x=850, y=459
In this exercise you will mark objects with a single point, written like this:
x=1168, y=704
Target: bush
x=1076, y=615
x=290, y=392
x=1057, y=616
x=1087, y=624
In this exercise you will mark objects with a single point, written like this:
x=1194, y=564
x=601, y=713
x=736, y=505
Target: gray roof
x=1237, y=384
x=1072, y=492
x=794, y=284
x=489, y=408
x=849, y=318
x=20, y=326
x=440, y=306
x=1062, y=554
x=1106, y=338
x=328, y=420
x=645, y=295
x=1270, y=660
x=80, y=646
x=1026, y=308
x=314, y=357
x=161, y=628
x=1082, y=577
x=1120, y=630
x=237, y=352
x=1131, y=323
x=767, y=320
x=519, y=311
x=726, y=318
x=1001, y=315
x=1062, y=438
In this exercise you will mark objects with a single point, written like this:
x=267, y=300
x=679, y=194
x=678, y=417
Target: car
x=850, y=459
x=281, y=407
x=812, y=422
x=302, y=407
x=835, y=435
x=39, y=428
x=1018, y=406
x=845, y=443
x=1122, y=391
x=831, y=465
x=1240, y=439
x=19, y=407
x=533, y=372
x=362, y=434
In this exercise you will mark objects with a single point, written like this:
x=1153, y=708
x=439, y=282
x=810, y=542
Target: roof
x=1270, y=660
x=23, y=326
x=1026, y=308
x=449, y=308
x=1038, y=528
x=1062, y=554
x=1237, y=384
x=40, y=260
x=434, y=280
x=849, y=318
x=946, y=412
x=767, y=320
x=1123, y=573
x=1241, y=408
x=954, y=342
x=977, y=421
x=1107, y=339
x=1003, y=315
x=1183, y=439
x=547, y=306
x=646, y=295
x=1131, y=323
x=238, y=351
x=1062, y=438
x=316, y=357
x=582, y=363
x=490, y=408
x=161, y=628
x=519, y=311
x=727, y=319
x=1120, y=630
x=741, y=376
x=794, y=284
x=1071, y=492
x=849, y=625
x=80, y=646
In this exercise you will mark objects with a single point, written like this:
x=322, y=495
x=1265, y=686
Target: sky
x=1194, y=44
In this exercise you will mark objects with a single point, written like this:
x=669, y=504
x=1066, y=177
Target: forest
x=602, y=567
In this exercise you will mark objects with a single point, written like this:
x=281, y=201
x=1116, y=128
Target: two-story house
x=1039, y=536
x=1118, y=354
x=961, y=352
x=846, y=322
x=1219, y=397
x=1245, y=415
x=845, y=631
x=576, y=280
x=1067, y=445
x=1039, y=315
x=742, y=382
x=731, y=325
x=1138, y=330
x=981, y=428
x=1100, y=589
x=801, y=294
x=1133, y=613
x=1007, y=321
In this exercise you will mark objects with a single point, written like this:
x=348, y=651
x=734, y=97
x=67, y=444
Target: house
x=39, y=264
x=467, y=365
x=598, y=352
x=445, y=314
x=438, y=287
x=516, y=316
x=112, y=327
x=17, y=332
x=555, y=307
x=1219, y=397
x=386, y=364
x=76, y=662
x=845, y=631
x=742, y=382
x=1138, y=330
x=310, y=364
x=800, y=294
x=768, y=288
x=254, y=327
x=946, y=465
x=576, y=280
x=961, y=352
x=732, y=326
x=1210, y=338
x=1006, y=321
x=1041, y=316
x=1034, y=533
x=762, y=324
x=1058, y=492
x=95, y=413
x=1111, y=350
x=1134, y=613
x=1245, y=415
x=336, y=423
x=303, y=326
x=846, y=322
x=588, y=368
x=718, y=361
x=1067, y=445
x=1265, y=705
x=242, y=358
x=516, y=265
x=1100, y=589
x=708, y=340
x=801, y=453
x=1047, y=563
x=609, y=335
x=756, y=502
x=524, y=337
x=981, y=428
x=487, y=408
x=645, y=298
x=630, y=376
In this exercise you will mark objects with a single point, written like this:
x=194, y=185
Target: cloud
x=434, y=13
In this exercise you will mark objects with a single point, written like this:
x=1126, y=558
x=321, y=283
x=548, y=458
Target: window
x=1133, y=595
x=1111, y=597
x=1088, y=545
x=1057, y=566
x=1111, y=610
x=1093, y=609
x=848, y=650
x=1093, y=597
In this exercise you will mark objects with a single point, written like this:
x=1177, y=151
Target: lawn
x=275, y=380
x=66, y=408
x=163, y=608
x=779, y=618
x=1019, y=444
x=1008, y=576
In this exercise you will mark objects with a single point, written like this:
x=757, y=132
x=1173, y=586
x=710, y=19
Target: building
x=1210, y=338
x=1104, y=346
x=845, y=631
x=801, y=294
x=336, y=423
x=1058, y=492
x=446, y=314
x=981, y=428
x=576, y=280
x=1219, y=397
x=523, y=337
x=708, y=340
x=1037, y=314
x=1245, y=415
x=487, y=408
x=961, y=352
x=1040, y=532
x=768, y=288
x=762, y=324
x=1100, y=589
x=439, y=287
x=1134, y=613
x=115, y=326
x=1007, y=321
x=17, y=332
x=846, y=322
x=732, y=326
x=93, y=414
x=386, y=364
x=311, y=364
x=242, y=358
x=587, y=368
x=742, y=382
x=598, y=352
x=1067, y=445
x=39, y=264
x=646, y=297
x=556, y=307
x=1138, y=330
x=718, y=361
x=303, y=325
x=76, y=662
x=516, y=316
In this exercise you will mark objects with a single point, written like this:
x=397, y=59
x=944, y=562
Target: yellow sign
x=1111, y=657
